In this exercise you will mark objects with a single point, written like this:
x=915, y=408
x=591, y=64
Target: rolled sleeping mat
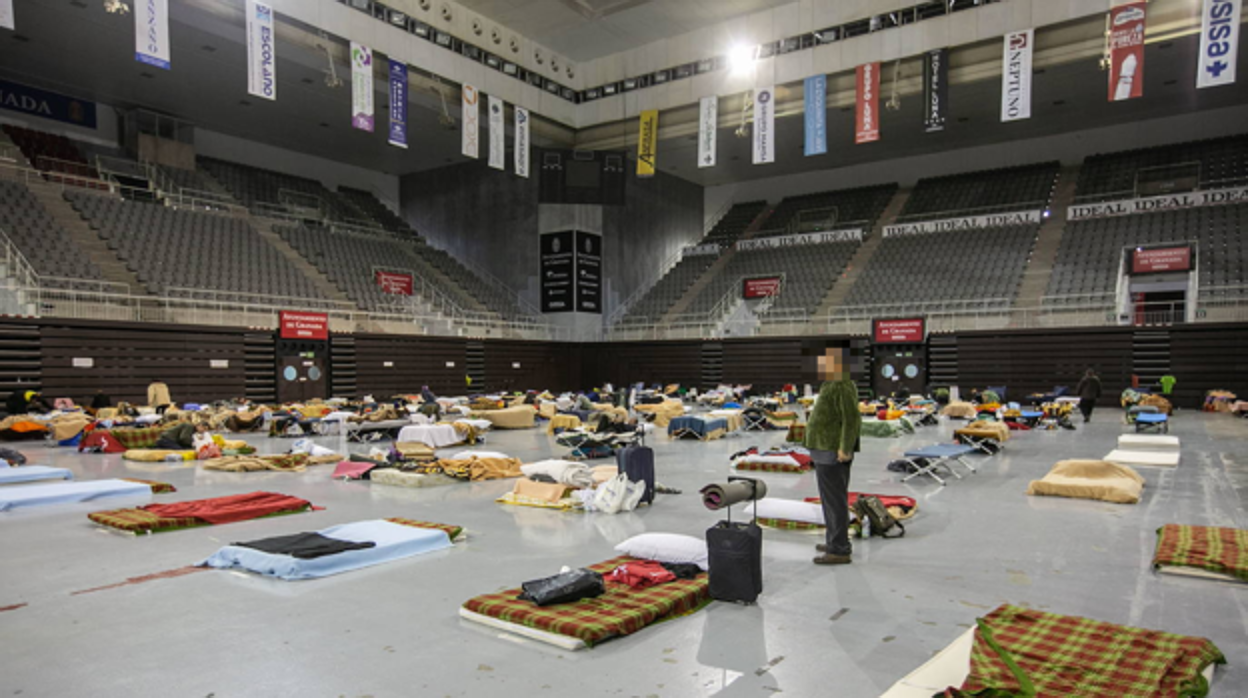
x=721, y=496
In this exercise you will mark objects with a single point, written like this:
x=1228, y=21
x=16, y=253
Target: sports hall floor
x=392, y=630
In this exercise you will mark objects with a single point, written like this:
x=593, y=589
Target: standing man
x=1089, y=391
x=832, y=437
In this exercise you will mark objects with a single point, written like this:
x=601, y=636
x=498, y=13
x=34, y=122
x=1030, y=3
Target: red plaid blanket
x=1022, y=652
x=620, y=611
x=1221, y=550
x=155, y=518
x=121, y=440
x=157, y=487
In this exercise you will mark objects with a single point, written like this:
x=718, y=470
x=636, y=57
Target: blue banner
x=816, y=115
x=398, y=103
x=48, y=105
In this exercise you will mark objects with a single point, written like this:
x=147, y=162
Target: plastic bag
x=564, y=587
x=618, y=494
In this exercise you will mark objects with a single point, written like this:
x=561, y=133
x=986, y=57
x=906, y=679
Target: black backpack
x=871, y=509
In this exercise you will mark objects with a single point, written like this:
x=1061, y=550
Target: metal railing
x=644, y=289
x=1037, y=205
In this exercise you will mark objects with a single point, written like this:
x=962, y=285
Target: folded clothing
x=304, y=546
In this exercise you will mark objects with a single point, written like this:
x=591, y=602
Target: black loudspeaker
x=736, y=561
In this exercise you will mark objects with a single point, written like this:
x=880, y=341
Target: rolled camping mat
x=718, y=496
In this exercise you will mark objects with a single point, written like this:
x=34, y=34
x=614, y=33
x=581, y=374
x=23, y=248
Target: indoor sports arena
x=653, y=348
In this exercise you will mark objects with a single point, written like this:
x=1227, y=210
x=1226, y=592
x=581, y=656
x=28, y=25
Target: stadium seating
x=1220, y=162
x=664, y=294
x=54, y=155
x=1029, y=187
x=253, y=187
x=734, y=223
x=349, y=260
x=168, y=247
x=809, y=272
x=830, y=210
x=48, y=248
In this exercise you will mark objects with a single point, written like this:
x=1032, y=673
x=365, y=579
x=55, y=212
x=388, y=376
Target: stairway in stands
x=862, y=257
x=330, y=290
x=84, y=236
x=1048, y=240
x=714, y=270
x=1150, y=356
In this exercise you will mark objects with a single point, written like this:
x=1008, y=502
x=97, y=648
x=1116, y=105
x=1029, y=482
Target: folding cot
x=701, y=428
x=375, y=431
x=985, y=436
x=927, y=459
x=1152, y=422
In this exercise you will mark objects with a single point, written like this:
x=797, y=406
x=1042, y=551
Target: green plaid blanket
x=142, y=437
x=1023, y=653
x=1222, y=550
x=797, y=434
x=788, y=524
x=772, y=467
x=620, y=611
x=452, y=532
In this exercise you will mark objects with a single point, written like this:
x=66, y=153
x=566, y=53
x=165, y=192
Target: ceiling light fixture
x=116, y=7
x=741, y=58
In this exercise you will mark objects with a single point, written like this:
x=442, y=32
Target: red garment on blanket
x=887, y=500
x=803, y=459
x=100, y=441
x=238, y=507
x=640, y=575
x=1017, y=426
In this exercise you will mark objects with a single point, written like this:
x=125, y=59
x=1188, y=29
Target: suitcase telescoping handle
x=754, y=497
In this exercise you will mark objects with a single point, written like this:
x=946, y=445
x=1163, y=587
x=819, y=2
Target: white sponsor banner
x=1016, y=76
x=261, y=51
x=151, y=32
x=362, y=116
x=764, y=125
x=522, y=141
x=1219, y=43
x=6, y=15
x=969, y=223
x=799, y=240
x=498, y=133
x=708, y=127
x=472, y=121
x=1168, y=202
x=709, y=248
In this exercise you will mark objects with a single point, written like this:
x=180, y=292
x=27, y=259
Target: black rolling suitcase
x=637, y=464
x=735, y=553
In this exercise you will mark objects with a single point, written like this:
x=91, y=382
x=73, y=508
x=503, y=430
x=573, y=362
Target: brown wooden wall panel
x=1029, y=362
x=767, y=364
x=129, y=357
x=417, y=361
x=1208, y=358
x=543, y=366
x=646, y=362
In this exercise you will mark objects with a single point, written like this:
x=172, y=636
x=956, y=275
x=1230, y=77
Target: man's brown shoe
x=830, y=559
x=821, y=548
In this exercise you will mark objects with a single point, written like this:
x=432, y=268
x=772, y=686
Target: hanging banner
x=151, y=32
x=471, y=146
x=522, y=141
x=935, y=89
x=361, y=87
x=588, y=272
x=816, y=109
x=33, y=101
x=1154, y=204
x=1126, y=51
x=394, y=283
x=1219, y=43
x=261, y=51
x=647, y=143
x=708, y=130
x=6, y=15
x=398, y=104
x=1016, y=76
x=868, y=123
x=774, y=242
x=558, y=271
x=995, y=220
x=498, y=133
x=764, y=125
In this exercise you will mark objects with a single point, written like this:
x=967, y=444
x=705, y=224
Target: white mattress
x=1199, y=573
x=432, y=435
x=1148, y=442
x=1153, y=459
x=561, y=641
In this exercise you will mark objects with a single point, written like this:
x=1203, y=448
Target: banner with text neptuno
x=701, y=250
x=1168, y=202
x=798, y=240
x=970, y=223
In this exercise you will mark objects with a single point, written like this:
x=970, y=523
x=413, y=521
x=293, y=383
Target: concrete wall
x=492, y=220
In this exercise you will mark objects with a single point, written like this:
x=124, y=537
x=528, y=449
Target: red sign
x=904, y=331
x=300, y=325
x=762, y=287
x=868, y=103
x=1159, y=260
x=1126, y=51
x=394, y=283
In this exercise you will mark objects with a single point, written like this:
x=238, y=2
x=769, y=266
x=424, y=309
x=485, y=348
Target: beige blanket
x=997, y=431
x=663, y=412
x=1090, y=479
x=523, y=417
x=960, y=410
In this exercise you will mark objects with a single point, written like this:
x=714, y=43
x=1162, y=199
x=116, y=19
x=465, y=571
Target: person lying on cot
x=180, y=437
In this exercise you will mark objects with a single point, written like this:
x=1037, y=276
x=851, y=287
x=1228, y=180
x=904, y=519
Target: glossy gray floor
x=393, y=630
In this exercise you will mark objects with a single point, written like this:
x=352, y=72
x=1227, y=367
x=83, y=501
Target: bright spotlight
x=741, y=58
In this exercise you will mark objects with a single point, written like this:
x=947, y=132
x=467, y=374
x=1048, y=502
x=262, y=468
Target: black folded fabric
x=304, y=546
x=565, y=587
x=682, y=570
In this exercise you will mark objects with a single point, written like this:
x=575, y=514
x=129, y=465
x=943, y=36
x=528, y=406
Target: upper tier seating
x=167, y=247
x=1029, y=187
x=1220, y=162
x=55, y=155
x=48, y=248
x=984, y=266
x=1091, y=252
x=830, y=210
x=734, y=223
x=349, y=260
x=253, y=186
x=670, y=289
x=808, y=271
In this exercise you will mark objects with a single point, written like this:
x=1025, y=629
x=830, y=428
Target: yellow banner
x=647, y=143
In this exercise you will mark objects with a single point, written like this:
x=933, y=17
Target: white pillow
x=470, y=454
x=666, y=547
x=551, y=468
x=787, y=509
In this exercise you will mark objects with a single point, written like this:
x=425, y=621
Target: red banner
x=868, y=103
x=394, y=283
x=904, y=331
x=762, y=287
x=1159, y=260
x=300, y=325
x=1126, y=51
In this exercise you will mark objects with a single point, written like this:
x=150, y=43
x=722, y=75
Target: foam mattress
x=1148, y=442
x=67, y=492
x=33, y=473
x=1154, y=459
